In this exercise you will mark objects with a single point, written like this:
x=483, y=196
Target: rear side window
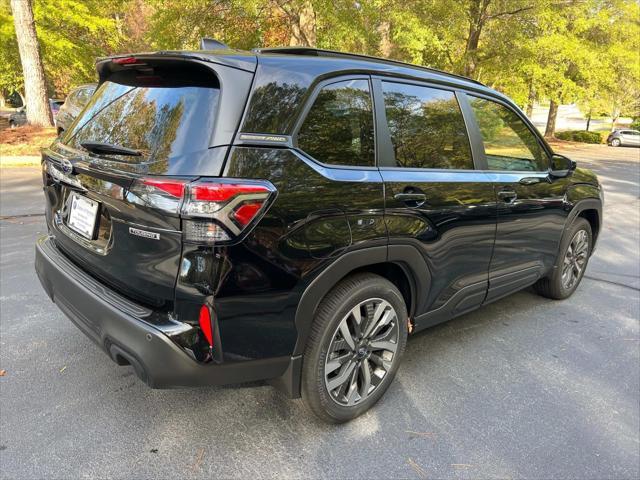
x=508, y=142
x=161, y=122
x=338, y=129
x=426, y=126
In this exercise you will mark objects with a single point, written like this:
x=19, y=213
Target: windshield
x=159, y=122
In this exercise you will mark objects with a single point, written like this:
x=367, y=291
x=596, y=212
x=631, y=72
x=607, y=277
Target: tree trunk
x=531, y=99
x=477, y=19
x=588, y=120
x=550, y=131
x=303, y=26
x=384, y=30
x=38, y=110
x=614, y=120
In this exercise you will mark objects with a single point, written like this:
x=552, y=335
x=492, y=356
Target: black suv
x=293, y=214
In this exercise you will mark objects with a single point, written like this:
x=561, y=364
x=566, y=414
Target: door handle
x=507, y=196
x=412, y=199
x=530, y=180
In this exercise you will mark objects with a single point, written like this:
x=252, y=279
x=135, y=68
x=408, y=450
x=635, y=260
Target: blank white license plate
x=82, y=216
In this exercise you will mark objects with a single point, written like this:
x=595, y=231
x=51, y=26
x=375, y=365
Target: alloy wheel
x=575, y=259
x=362, y=351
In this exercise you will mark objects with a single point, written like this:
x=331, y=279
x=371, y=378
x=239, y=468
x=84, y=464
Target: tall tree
x=38, y=109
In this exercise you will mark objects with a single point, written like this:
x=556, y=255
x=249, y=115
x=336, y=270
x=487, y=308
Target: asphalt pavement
x=526, y=387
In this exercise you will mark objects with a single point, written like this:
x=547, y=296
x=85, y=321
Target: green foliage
x=72, y=33
x=571, y=50
x=635, y=125
x=581, y=136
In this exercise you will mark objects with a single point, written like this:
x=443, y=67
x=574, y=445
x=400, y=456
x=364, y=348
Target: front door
x=630, y=137
x=531, y=213
x=434, y=199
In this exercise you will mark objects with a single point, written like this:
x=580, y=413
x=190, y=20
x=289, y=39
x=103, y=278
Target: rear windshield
x=161, y=122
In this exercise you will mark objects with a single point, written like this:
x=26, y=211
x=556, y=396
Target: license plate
x=82, y=215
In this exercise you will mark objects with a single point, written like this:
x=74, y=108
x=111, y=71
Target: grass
x=25, y=140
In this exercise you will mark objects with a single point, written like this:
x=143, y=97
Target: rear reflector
x=205, y=324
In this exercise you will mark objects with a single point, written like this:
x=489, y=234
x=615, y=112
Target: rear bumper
x=115, y=324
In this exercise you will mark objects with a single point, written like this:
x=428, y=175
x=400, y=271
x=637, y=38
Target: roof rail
x=211, y=44
x=319, y=52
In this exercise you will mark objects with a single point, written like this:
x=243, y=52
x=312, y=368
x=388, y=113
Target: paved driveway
x=526, y=387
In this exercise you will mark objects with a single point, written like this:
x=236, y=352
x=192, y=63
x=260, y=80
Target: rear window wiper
x=98, y=147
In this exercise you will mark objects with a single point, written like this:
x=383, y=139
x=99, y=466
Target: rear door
x=531, y=208
x=435, y=199
x=113, y=181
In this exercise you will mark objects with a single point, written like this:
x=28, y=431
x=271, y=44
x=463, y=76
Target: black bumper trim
x=110, y=320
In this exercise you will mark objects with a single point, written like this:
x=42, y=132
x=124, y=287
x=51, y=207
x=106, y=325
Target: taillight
x=213, y=210
x=219, y=211
x=164, y=194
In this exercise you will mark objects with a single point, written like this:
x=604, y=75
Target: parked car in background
x=294, y=214
x=19, y=117
x=73, y=105
x=624, y=138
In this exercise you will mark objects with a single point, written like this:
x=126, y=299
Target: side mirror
x=561, y=166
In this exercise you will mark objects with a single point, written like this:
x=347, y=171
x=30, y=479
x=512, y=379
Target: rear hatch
x=114, y=181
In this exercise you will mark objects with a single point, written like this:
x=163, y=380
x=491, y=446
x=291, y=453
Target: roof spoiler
x=211, y=44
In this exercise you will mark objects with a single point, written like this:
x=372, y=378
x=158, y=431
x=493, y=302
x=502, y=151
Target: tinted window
x=339, y=127
x=159, y=122
x=508, y=142
x=427, y=128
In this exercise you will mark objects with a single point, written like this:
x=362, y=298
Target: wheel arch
x=403, y=265
x=591, y=210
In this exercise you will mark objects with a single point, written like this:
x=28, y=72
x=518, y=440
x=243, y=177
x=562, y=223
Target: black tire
x=616, y=142
x=376, y=297
x=555, y=285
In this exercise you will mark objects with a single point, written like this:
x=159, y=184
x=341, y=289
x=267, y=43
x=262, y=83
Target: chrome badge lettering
x=144, y=233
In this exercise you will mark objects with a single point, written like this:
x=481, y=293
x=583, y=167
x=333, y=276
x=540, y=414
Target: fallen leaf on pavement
x=3, y=373
x=63, y=369
x=417, y=468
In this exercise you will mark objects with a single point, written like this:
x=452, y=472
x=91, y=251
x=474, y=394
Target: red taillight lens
x=161, y=193
x=175, y=188
x=223, y=192
x=204, y=320
x=245, y=212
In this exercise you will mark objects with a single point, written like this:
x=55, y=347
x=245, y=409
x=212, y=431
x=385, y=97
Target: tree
x=38, y=109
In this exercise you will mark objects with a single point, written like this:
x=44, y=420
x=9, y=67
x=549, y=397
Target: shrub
x=635, y=125
x=582, y=136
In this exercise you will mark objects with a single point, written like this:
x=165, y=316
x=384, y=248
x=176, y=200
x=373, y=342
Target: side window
x=339, y=127
x=427, y=128
x=508, y=142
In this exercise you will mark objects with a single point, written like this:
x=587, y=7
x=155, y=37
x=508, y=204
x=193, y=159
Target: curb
x=19, y=161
